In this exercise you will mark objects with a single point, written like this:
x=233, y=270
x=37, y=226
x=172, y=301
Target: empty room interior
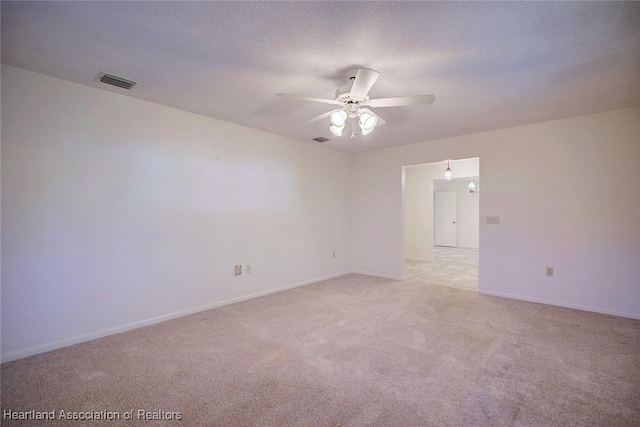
x=320, y=213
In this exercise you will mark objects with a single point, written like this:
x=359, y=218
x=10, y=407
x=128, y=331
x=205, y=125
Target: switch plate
x=247, y=268
x=493, y=220
x=238, y=269
x=550, y=271
x=334, y=254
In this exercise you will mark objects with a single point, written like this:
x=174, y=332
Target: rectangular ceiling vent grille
x=321, y=139
x=116, y=81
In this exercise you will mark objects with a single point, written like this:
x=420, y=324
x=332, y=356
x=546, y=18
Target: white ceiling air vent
x=321, y=139
x=110, y=79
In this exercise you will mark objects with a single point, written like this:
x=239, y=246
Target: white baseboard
x=384, y=276
x=557, y=304
x=8, y=357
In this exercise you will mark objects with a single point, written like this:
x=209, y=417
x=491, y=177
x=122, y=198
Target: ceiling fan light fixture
x=352, y=99
x=367, y=123
x=336, y=130
x=338, y=118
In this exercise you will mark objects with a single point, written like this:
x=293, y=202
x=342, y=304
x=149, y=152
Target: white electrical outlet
x=493, y=220
x=238, y=269
x=247, y=268
x=549, y=271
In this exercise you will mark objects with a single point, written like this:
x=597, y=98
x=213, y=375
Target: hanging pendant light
x=447, y=173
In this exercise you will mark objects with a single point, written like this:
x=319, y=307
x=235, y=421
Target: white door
x=444, y=216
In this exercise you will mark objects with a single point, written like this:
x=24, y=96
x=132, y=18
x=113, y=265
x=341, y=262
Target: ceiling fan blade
x=365, y=79
x=380, y=120
x=308, y=98
x=323, y=116
x=400, y=101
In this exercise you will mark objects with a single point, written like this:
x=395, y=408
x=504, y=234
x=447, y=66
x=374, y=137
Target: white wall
x=567, y=195
x=418, y=204
x=118, y=212
x=467, y=210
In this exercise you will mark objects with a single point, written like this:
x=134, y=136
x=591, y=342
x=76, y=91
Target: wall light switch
x=247, y=268
x=493, y=220
x=238, y=269
x=549, y=271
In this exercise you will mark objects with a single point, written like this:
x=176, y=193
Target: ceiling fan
x=354, y=97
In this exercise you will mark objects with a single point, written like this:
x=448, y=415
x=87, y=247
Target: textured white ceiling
x=490, y=65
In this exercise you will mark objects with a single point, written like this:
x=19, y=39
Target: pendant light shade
x=447, y=173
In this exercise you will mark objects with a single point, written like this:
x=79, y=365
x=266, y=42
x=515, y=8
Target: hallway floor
x=456, y=267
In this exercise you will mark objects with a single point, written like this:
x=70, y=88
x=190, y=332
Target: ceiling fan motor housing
x=343, y=95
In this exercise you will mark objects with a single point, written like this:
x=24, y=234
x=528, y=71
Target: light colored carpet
x=351, y=351
x=457, y=267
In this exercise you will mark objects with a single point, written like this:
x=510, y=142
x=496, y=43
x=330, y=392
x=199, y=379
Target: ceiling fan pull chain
x=353, y=128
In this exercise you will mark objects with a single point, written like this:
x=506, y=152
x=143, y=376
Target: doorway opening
x=441, y=224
